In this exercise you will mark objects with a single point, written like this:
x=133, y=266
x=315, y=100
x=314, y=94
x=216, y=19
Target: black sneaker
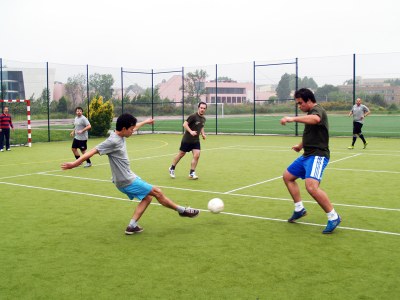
x=297, y=215
x=190, y=212
x=131, y=230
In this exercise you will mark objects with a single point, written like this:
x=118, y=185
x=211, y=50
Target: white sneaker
x=1, y=150
x=8, y=149
x=193, y=176
x=171, y=173
x=87, y=165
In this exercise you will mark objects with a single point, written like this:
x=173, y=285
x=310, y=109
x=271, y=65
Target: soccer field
x=62, y=232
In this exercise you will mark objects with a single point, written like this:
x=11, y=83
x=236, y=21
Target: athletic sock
x=133, y=223
x=362, y=138
x=298, y=206
x=88, y=161
x=191, y=171
x=172, y=167
x=77, y=156
x=180, y=209
x=332, y=215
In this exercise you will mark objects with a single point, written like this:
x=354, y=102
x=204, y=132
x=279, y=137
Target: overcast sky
x=147, y=34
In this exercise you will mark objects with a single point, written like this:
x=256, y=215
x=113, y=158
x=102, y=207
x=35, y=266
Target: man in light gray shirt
x=122, y=176
x=80, y=134
x=359, y=112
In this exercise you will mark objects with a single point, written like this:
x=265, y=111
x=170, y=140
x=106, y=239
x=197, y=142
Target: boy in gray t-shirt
x=80, y=134
x=359, y=112
x=122, y=176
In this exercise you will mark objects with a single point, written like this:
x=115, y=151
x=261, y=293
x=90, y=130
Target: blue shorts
x=309, y=167
x=137, y=189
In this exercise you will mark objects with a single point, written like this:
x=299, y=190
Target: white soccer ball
x=215, y=205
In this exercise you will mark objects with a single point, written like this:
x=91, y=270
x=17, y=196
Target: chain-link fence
x=243, y=98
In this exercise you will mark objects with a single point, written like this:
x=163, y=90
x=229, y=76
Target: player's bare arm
x=140, y=124
x=308, y=119
x=80, y=160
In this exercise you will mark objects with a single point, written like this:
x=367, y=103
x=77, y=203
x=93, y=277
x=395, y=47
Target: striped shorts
x=309, y=167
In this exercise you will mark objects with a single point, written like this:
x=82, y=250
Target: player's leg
x=1, y=140
x=193, y=163
x=315, y=166
x=7, y=136
x=292, y=173
x=165, y=201
x=83, y=150
x=175, y=161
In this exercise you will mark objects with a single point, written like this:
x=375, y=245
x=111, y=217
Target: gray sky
x=160, y=34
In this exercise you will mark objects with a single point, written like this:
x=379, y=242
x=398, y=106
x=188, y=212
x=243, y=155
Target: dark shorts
x=187, y=147
x=77, y=144
x=357, y=127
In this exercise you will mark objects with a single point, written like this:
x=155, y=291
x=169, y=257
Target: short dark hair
x=202, y=102
x=125, y=120
x=78, y=108
x=305, y=94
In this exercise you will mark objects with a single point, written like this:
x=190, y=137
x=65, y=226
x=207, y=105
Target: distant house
x=372, y=86
x=228, y=92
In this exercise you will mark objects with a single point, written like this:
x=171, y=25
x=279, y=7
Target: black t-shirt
x=196, y=123
x=316, y=137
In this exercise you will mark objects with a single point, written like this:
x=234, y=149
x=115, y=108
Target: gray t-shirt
x=115, y=148
x=80, y=123
x=359, y=112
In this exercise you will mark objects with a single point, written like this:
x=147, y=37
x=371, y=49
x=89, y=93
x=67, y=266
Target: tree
x=62, y=105
x=323, y=92
x=75, y=88
x=194, y=86
x=377, y=99
x=100, y=116
x=283, y=89
x=101, y=84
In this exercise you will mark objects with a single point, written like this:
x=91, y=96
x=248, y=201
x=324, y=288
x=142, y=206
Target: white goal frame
x=220, y=104
x=28, y=116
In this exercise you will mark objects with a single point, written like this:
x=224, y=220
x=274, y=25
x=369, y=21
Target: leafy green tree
x=377, y=99
x=194, y=86
x=62, y=105
x=100, y=116
x=283, y=89
x=75, y=89
x=101, y=84
x=322, y=92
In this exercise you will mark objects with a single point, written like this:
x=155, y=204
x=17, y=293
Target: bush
x=100, y=116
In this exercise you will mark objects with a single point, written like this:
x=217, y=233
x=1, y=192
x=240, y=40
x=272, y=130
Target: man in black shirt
x=194, y=126
x=310, y=166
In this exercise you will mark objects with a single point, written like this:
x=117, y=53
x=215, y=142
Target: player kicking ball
x=122, y=176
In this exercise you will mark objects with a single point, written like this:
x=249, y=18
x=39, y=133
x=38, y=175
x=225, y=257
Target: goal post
x=28, y=140
x=216, y=108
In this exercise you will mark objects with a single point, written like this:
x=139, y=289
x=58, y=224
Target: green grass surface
x=62, y=232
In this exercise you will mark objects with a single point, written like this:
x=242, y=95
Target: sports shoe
x=365, y=145
x=131, y=230
x=350, y=147
x=193, y=176
x=297, y=215
x=1, y=150
x=332, y=224
x=88, y=165
x=171, y=173
x=190, y=212
x=8, y=149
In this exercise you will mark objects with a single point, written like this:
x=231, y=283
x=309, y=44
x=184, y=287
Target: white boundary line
x=225, y=213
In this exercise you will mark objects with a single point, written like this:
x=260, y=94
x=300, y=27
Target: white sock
x=180, y=209
x=298, y=206
x=332, y=215
x=133, y=223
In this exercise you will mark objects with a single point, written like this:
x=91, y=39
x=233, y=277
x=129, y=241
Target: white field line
x=225, y=213
x=272, y=179
x=232, y=194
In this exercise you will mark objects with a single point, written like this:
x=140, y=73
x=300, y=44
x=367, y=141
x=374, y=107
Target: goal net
x=20, y=111
x=215, y=108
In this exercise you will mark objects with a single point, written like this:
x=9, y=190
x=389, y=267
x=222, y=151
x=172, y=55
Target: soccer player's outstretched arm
x=80, y=160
